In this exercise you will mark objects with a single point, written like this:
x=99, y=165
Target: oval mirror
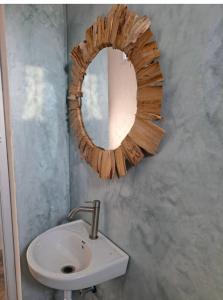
x=109, y=98
x=113, y=106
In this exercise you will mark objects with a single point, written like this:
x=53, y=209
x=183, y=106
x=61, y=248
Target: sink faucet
x=94, y=209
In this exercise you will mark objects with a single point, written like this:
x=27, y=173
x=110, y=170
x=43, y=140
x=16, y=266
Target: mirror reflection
x=109, y=98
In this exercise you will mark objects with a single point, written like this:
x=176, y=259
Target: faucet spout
x=76, y=210
x=94, y=210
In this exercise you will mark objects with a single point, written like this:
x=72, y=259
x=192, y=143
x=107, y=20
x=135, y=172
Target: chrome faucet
x=94, y=209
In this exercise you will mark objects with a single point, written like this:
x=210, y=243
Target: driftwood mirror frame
x=124, y=30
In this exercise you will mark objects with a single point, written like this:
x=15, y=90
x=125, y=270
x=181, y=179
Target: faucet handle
x=95, y=203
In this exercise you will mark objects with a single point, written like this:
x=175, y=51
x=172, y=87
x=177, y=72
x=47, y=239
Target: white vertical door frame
x=11, y=254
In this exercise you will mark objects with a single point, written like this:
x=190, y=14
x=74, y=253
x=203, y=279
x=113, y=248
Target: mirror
x=113, y=106
x=109, y=98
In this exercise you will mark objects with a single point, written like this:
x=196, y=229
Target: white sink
x=68, y=248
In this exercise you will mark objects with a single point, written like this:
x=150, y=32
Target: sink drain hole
x=68, y=269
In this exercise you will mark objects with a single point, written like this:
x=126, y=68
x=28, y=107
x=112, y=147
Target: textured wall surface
x=36, y=41
x=167, y=212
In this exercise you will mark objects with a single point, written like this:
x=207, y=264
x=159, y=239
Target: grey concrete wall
x=36, y=42
x=167, y=212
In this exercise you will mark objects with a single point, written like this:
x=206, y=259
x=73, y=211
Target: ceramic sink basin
x=65, y=258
